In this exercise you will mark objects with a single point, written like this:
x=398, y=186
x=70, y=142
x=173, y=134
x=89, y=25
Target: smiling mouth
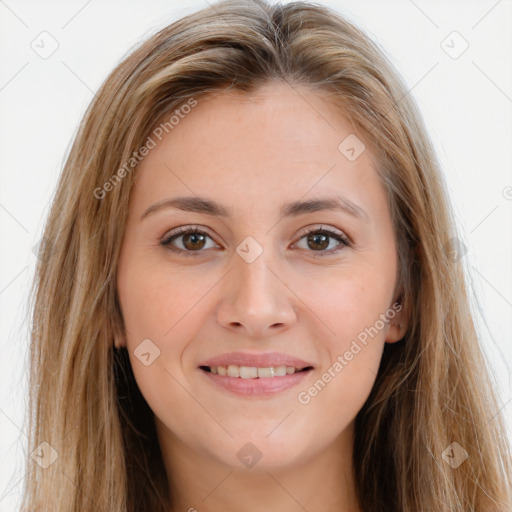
x=252, y=372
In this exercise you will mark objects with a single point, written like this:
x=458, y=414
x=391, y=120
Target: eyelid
x=180, y=230
x=313, y=228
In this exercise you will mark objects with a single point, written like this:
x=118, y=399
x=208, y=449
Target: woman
x=250, y=296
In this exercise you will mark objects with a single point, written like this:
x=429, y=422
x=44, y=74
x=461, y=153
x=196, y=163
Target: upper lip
x=256, y=360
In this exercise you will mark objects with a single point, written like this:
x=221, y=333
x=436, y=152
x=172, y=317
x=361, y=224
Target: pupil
x=194, y=237
x=322, y=242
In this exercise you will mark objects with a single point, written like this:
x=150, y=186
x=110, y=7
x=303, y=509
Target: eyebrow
x=294, y=209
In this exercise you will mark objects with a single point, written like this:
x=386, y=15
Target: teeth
x=252, y=372
x=233, y=371
x=248, y=373
x=267, y=372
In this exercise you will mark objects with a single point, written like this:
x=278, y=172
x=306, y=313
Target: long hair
x=433, y=388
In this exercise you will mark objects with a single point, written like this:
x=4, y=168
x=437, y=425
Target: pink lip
x=255, y=387
x=256, y=360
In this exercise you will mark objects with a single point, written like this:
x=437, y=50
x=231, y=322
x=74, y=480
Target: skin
x=251, y=154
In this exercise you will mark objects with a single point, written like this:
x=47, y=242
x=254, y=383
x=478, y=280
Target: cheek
x=351, y=313
x=161, y=311
x=350, y=364
x=350, y=304
x=156, y=301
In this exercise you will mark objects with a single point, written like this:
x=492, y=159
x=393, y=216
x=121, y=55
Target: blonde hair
x=432, y=389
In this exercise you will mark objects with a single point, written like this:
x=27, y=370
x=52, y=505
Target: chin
x=260, y=453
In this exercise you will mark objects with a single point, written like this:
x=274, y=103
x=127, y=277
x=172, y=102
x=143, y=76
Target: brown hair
x=433, y=388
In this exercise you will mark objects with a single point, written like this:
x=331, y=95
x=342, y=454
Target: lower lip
x=256, y=387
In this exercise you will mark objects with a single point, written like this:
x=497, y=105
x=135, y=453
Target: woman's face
x=249, y=287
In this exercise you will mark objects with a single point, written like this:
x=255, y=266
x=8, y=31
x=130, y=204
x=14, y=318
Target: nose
x=256, y=302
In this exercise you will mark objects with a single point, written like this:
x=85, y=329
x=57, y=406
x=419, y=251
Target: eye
x=193, y=240
x=318, y=240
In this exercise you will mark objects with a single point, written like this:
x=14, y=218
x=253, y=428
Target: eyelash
x=170, y=237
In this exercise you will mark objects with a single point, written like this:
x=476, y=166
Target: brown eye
x=318, y=241
x=193, y=241
x=187, y=241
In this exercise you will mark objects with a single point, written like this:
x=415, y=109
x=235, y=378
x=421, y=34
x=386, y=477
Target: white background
x=466, y=103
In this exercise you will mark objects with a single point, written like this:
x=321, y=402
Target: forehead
x=278, y=141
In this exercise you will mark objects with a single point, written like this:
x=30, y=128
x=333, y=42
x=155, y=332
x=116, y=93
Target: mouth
x=254, y=372
x=255, y=375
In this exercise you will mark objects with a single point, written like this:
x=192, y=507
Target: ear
x=399, y=319
x=119, y=338
x=119, y=343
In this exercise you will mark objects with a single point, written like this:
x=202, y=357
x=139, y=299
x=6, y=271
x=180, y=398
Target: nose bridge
x=257, y=283
x=255, y=296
